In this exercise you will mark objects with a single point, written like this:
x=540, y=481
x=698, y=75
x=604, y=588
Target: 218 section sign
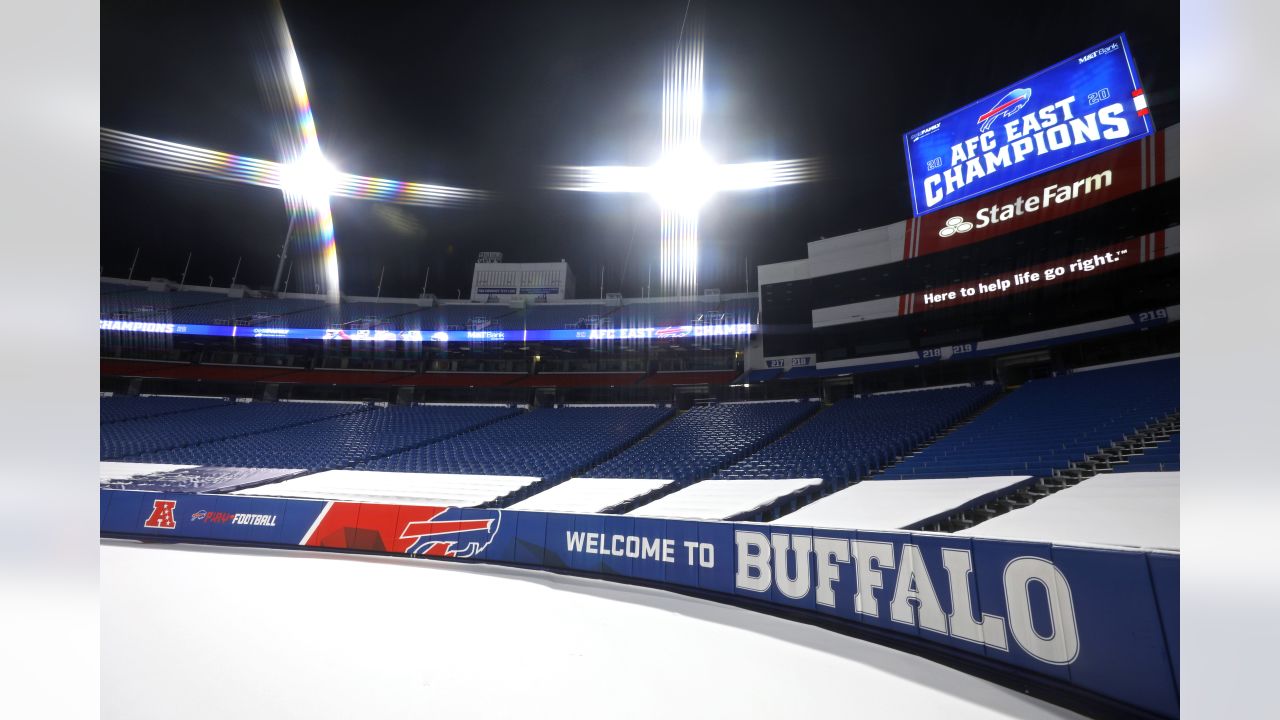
x=1084, y=105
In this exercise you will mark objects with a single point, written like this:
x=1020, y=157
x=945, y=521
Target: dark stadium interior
x=437, y=92
x=747, y=358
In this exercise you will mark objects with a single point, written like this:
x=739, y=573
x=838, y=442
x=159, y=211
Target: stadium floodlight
x=685, y=177
x=311, y=177
x=306, y=178
x=126, y=148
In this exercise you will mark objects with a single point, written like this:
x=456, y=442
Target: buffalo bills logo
x=198, y=515
x=1007, y=107
x=447, y=534
x=671, y=332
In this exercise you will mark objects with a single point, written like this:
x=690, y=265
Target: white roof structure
x=401, y=488
x=1131, y=509
x=589, y=495
x=898, y=504
x=722, y=499
x=112, y=471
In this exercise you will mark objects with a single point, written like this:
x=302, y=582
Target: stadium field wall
x=1102, y=623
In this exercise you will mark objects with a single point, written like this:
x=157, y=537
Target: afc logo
x=161, y=515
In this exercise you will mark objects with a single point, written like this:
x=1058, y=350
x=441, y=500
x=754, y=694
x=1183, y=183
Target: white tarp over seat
x=589, y=495
x=1133, y=509
x=110, y=471
x=400, y=488
x=898, y=504
x=722, y=499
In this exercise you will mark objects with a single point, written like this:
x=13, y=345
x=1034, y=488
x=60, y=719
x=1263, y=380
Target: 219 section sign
x=1084, y=105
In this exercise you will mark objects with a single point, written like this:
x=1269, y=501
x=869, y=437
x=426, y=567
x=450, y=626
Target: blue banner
x=1087, y=104
x=1103, y=621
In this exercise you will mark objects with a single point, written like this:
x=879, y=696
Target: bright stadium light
x=311, y=177
x=126, y=148
x=685, y=177
x=306, y=178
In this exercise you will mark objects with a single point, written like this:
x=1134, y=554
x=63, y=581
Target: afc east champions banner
x=1103, y=621
x=1082, y=106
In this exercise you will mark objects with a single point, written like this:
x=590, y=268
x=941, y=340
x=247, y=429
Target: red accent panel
x=337, y=526
x=345, y=377
x=376, y=527
x=183, y=371
x=1160, y=149
x=578, y=380
x=459, y=379
x=1137, y=92
x=691, y=378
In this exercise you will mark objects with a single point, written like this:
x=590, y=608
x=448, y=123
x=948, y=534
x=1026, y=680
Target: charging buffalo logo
x=446, y=534
x=1008, y=106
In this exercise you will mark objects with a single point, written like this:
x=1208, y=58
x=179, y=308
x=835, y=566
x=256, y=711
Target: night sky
x=490, y=94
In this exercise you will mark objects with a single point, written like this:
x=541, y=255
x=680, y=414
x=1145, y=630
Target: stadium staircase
x=936, y=438
x=1161, y=435
x=786, y=505
x=1152, y=449
x=836, y=476
x=430, y=441
x=633, y=503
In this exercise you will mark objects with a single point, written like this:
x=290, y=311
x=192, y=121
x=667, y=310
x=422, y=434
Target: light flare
x=685, y=177
x=305, y=177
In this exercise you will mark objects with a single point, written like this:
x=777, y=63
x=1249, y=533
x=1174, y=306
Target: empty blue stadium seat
x=551, y=443
x=339, y=441
x=1046, y=425
x=131, y=438
x=124, y=407
x=856, y=436
x=704, y=439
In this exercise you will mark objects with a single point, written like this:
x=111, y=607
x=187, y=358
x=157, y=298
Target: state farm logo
x=1052, y=196
x=955, y=225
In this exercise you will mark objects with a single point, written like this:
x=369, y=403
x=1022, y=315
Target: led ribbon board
x=418, y=336
x=1082, y=106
